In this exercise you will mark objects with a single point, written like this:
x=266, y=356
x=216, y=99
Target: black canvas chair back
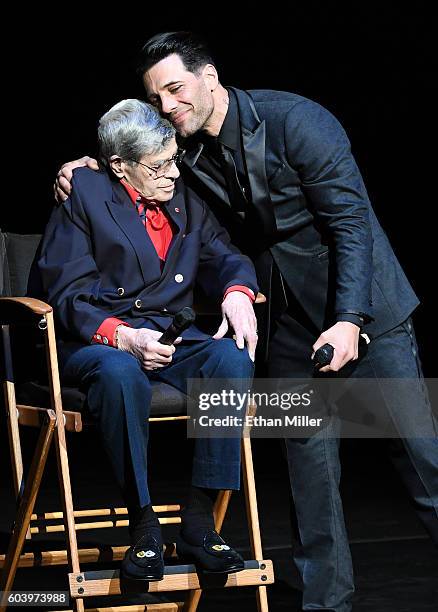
x=17, y=252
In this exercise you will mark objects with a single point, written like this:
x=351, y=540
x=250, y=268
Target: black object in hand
x=323, y=356
x=181, y=321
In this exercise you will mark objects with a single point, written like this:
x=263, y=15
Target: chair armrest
x=20, y=310
x=36, y=306
x=260, y=298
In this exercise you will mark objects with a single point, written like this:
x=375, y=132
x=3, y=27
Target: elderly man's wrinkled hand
x=238, y=312
x=143, y=344
x=62, y=186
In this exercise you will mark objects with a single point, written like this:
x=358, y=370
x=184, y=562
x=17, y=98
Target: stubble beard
x=198, y=118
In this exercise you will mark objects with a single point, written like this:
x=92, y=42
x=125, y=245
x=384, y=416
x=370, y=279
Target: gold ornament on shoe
x=145, y=553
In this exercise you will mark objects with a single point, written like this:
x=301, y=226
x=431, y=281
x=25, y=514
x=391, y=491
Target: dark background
x=372, y=66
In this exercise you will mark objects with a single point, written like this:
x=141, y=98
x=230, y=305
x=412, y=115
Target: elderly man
x=118, y=259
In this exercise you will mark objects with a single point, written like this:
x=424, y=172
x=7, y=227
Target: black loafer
x=214, y=556
x=143, y=561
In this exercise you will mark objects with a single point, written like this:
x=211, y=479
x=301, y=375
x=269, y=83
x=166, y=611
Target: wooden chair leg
x=61, y=454
x=14, y=437
x=220, y=508
x=67, y=505
x=26, y=506
x=12, y=418
x=219, y=511
x=253, y=515
x=192, y=601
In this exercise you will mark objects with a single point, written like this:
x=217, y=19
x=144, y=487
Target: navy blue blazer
x=97, y=259
x=315, y=214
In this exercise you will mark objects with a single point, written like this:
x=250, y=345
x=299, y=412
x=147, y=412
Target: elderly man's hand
x=344, y=337
x=237, y=310
x=143, y=344
x=62, y=186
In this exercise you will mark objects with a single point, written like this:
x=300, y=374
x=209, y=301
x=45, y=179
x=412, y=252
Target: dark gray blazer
x=317, y=220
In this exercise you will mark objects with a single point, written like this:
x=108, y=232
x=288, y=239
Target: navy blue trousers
x=119, y=395
x=321, y=552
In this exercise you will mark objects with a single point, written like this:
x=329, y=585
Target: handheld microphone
x=181, y=321
x=324, y=355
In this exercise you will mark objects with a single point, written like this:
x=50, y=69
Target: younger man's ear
x=211, y=77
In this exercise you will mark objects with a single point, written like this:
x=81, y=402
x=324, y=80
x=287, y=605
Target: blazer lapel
x=176, y=209
x=253, y=149
x=190, y=159
x=124, y=214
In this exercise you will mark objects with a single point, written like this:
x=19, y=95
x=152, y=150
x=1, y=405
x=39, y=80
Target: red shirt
x=155, y=220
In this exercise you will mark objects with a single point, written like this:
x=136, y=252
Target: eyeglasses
x=161, y=169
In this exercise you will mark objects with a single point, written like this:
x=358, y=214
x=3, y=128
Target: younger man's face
x=181, y=96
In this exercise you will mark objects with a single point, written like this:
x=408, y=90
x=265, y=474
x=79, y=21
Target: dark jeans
x=322, y=553
x=119, y=394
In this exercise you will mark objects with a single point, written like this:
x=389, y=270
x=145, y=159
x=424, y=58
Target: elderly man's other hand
x=344, y=337
x=143, y=344
x=62, y=186
x=237, y=310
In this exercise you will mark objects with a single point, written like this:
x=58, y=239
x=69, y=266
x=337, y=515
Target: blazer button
x=137, y=303
x=120, y=291
x=179, y=278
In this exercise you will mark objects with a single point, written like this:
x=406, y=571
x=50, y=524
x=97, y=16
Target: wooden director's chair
x=53, y=421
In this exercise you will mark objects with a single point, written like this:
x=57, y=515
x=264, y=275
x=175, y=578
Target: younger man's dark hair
x=192, y=50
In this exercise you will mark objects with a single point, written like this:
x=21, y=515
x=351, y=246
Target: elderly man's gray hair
x=131, y=129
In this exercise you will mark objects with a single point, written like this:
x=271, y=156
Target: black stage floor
x=396, y=566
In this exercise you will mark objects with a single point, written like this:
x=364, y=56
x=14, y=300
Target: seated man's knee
x=234, y=362
x=118, y=386
x=118, y=368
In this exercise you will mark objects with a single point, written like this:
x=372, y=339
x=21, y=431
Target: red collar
x=136, y=195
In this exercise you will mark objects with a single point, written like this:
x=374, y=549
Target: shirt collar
x=230, y=130
x=136, y=196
